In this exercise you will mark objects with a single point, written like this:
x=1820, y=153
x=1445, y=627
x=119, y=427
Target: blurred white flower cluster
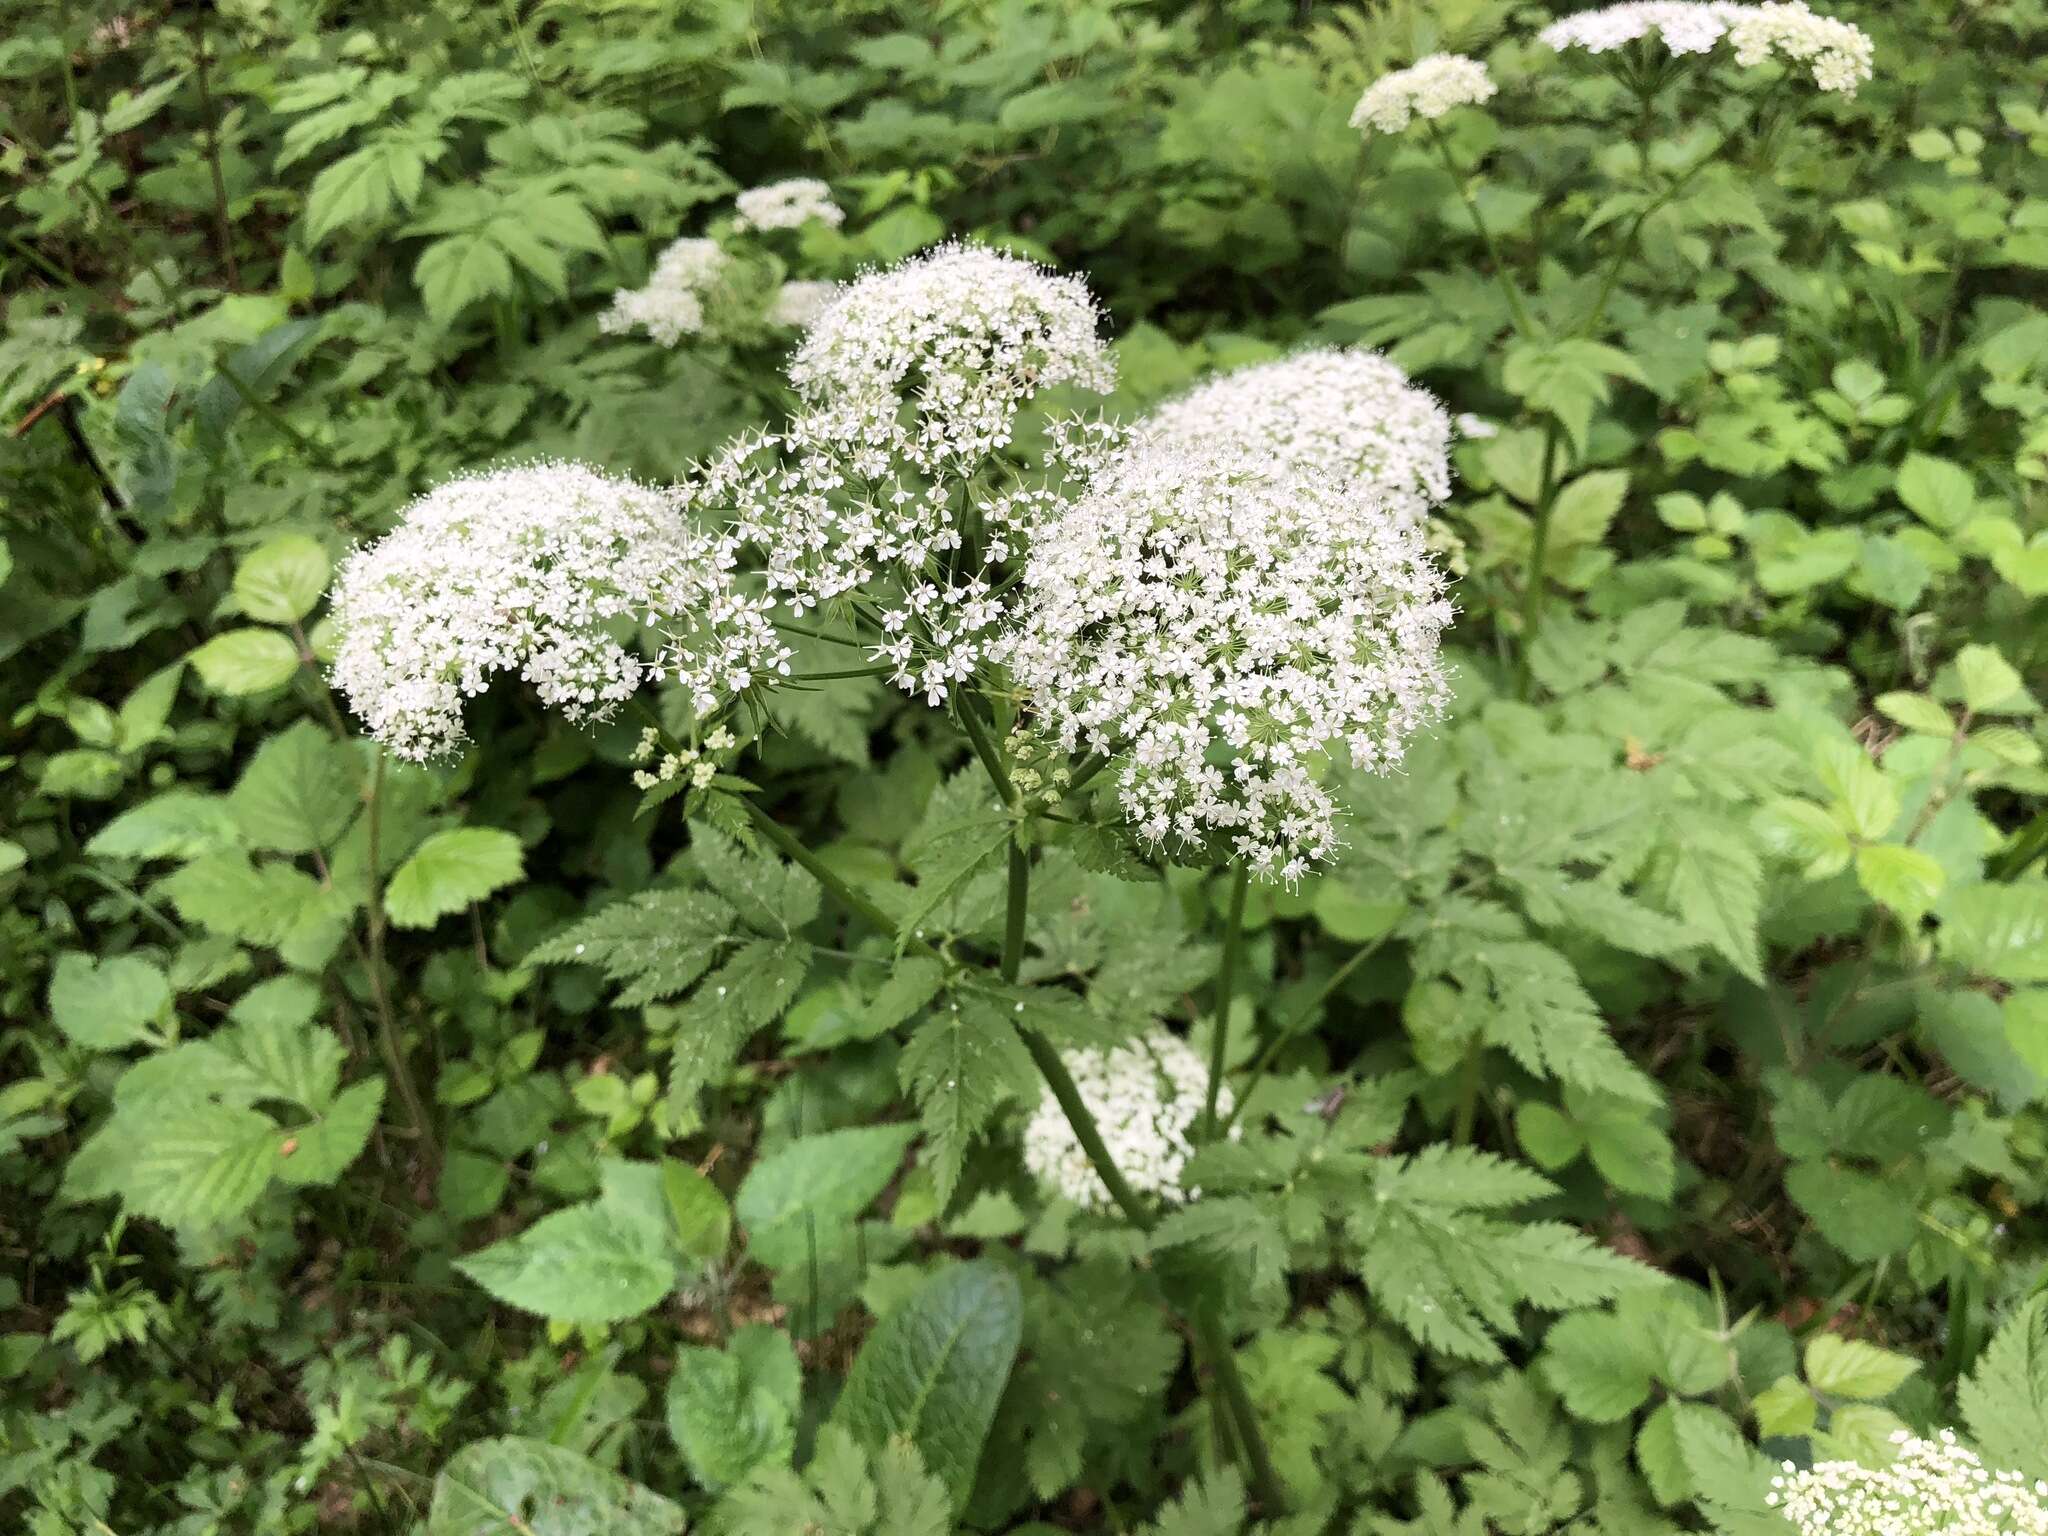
x=1937, y=1485
x=1683, y=27
x=1217, y=621
x=1145, y=1098
x=787, y=204
x=1345, y=412
x=671, y=306
x=797, y=305
x=524, y=570
x=1838, y=53
x=1428, y=88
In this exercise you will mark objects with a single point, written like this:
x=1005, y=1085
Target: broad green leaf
x=450, y=870
x=828, y=1178
x=1917, y=712
x=1903, y=879
x=1936, y=490
x=455, y=272
x=1998, y=930
x=322, y=1149
x=1599, y=1365
x=734, y=1409
x=600, y=1262
x=1803, y=831
x=298, y=792
x=1851, y=1368
x=934, y=1369
x=1785, y=1407
x=2025, y=1013
x=962, y=1064
x=281, y=579
x=104, y=1005
x=1989, y=682
x=177, y=824
x=245, y=661
x=1586, y=506
x=512, y=1484
x=750, y=991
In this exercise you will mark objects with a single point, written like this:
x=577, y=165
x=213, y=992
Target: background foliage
x=1652, y=1091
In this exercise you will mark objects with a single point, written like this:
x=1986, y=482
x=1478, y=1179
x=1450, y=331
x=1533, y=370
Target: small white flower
x=1682, y=27
x=1428, y=88
x=1146, y=1098
x=1937, y=1485
x=526, y=570
x=1217, y=622
x=671, y=306
x=787, y=204
x=798, y=305
x=1344, y=411
x=1838, y=54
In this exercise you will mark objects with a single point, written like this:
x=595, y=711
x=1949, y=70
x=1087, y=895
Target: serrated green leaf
x=1903, y=879
x=1851, y=1368
x=297, y=794
x=104, y=1005
x=282, y=578
x=450, y=870
x=528, y=1486
x=934, y=1369
x=828, y=1178
x=245, y=661
x=600, y=1262
x=2005, y=1399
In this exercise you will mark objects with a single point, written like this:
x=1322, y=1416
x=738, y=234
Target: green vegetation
x=1650, y=1090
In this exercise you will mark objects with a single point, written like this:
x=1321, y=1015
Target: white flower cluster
x=1838, y=53
x=700, y=763
x=1684, y=27
x=884, y=486
x=1428, y=88
x=1346, y=412
x=671, y=306
x=968, y=334
x=1218, y=622
x=1937, y=1485
x=1145, y=1098
x=524, y=570
x=787, y=204
x=798, y=305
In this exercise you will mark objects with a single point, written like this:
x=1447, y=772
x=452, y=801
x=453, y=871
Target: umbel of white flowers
x=1342, y=411
x=886, y=483
x=671, y=306
x=1428, y=88
x=525, y=570
x=1838, y=54
x=1145, y=1097
x=787, y=204
x=1937, y=1485
x=1216, y=621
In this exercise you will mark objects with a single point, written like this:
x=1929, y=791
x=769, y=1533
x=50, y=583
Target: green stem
x=1539, y=548
x=1088, y=767
x=848, y=897
x=274, y=416
x=818, y=634
x=223, y=230
x=1266, y=1485
x=985, y=749
x=1516, y=309
x=833, y=677
x=2027, y=845
x=1302, y=1016
x=1468, y=1096
x=1015, y=909
x=388, y=1041
x=1226, y=980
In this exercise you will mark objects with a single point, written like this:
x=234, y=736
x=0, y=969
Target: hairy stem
x=1226, y=980
x=1014, y=910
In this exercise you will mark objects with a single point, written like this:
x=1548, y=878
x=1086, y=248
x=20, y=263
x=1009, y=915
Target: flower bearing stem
x=1226, y=978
